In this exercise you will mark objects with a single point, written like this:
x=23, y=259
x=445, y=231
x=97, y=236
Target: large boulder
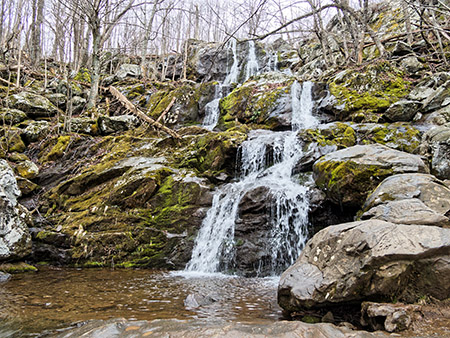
x=128, y=70
x=403, y=110
x=113, y=124
x=410, y=199
x=352, y=262
x=33, y=105
x=35, y=131
x=348, y=175
x=15, y=240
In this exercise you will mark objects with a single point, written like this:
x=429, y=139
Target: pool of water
x=51, y=299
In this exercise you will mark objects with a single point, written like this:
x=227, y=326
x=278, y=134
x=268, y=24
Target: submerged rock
x=349, y=174
x=352, y=262
x=187, y=329
x=15, y=240
x=410, y=199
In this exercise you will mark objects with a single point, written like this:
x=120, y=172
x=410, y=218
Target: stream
x=53, y=299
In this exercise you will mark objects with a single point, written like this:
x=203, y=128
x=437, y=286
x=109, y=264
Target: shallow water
x=53, y=298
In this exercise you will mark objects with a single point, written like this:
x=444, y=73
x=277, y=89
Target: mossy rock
x=27, y=169
x=10, y=141
x=33, y=104
x=363, y=95
x=347, y=176
x=400, y=136
x=14, y=268
x=336, y=134
x=58, y=149
x=259, y=102
x=11, y=117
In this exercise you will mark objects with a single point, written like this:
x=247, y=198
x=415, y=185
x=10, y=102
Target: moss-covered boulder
x=10, y=141
x=325, y=139
x=363, y=95
x=35, y=131
x=399, y=136
x=27, y=169
x=263, y=101
x=11, y=116
x=33, y=105
x=348, y=175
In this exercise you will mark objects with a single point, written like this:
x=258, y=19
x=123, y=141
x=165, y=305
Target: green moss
x=17, y=268
x=58, y=149
x=338, y=134
x=310, y=319
x=366, y=93
x=348, y=183
x=83, y=76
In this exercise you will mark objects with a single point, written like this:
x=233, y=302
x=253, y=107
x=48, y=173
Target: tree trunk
x=95, y=73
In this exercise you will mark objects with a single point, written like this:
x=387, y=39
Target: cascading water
x=214, y=248
x=212, y=111
x=233, y=74
x=252, y=63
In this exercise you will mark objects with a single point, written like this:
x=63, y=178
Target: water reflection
x=55, y=298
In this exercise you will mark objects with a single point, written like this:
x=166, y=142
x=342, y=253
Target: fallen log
x=131, y=107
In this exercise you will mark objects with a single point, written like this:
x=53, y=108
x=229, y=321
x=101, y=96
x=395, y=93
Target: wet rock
x=352, y=262
x=347, y=175
x=265, y=99
x=195, y=300
x=12, y=116
x=403, y=110
x=35, y=131
x=4, y=277
x=113, y=124
x=32, y=104
x=389, y=317
x=410, y=199
x=15, y=240
x=192, y=329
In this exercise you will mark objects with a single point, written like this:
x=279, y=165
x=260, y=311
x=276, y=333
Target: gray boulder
x=411, y=64
x=35, y=131
x=113, y=124
x=410, y=199
x=402, y=111
x=12, y=116
x=352, y=262
x=347, y=175
x=438, y=99
x=15, y=240
x=437, y=143
x=32, y=104
x=82, y=125
x=128, y=70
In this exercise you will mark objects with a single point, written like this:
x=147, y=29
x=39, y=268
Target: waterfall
x=252, y=62
x=212, y=111
x=214, y=247
x=233, y=74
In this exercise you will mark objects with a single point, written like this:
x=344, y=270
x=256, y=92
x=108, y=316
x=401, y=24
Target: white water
x=252, y=63
x=214, y=247
x=233, y=74
x=212, y=111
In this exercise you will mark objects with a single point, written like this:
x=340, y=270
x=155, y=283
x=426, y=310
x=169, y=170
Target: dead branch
x=131, y=107
x=166, y=110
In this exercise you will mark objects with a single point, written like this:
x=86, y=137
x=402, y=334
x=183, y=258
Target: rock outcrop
x=347, y=175
x=374, y=259
x=15, y=240
x=410, y=199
